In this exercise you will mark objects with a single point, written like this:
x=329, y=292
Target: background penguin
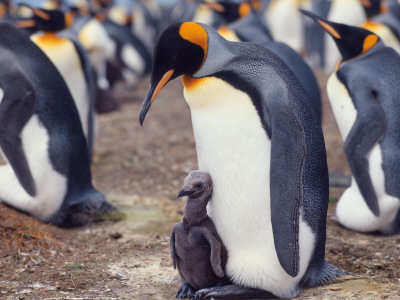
x=387, y=26
x=99, y=46
x=247, y=26
x=364, y=97
x=71, y=61
x=194, y=243
x=256, y=135
x=341, y=11
x=47, y=173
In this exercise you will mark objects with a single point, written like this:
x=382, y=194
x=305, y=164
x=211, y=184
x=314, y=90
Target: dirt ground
x=141, y=171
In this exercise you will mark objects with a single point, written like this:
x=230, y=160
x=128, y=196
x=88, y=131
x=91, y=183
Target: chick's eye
x=198, y=186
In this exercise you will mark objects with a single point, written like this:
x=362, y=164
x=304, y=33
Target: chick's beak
x=183, y=192
x=152, y=94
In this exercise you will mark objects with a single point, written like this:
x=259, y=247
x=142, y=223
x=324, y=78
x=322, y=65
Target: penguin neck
x=193, y=214
x=48, y=38
x=380, y=45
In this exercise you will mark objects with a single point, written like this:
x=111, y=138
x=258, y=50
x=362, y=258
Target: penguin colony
x=256, y=115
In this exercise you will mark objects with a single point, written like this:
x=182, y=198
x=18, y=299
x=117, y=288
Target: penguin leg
x=185, y=291
x=232, y=292
x=16, y=108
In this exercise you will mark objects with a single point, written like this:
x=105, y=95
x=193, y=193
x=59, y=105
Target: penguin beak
x=152, y=94
x=26, y=24
x=325, y=24
x=183, y=192
x=41, y=14
x=215, y=6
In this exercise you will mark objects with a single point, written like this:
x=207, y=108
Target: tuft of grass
x=76, y=266
x=332, y=199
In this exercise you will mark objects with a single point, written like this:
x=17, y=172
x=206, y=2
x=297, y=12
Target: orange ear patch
x=244, y=9
x=369, y=42
x=196, y=34
x=329, y=29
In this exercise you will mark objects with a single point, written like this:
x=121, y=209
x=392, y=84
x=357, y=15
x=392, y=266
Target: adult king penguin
x=47, y=171
x=256, y=136
x=363, y=93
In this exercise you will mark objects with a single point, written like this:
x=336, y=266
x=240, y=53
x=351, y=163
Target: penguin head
x=48, y=20
x=181, y=49
x=230, y=11
x=198, y=186
x=351, y=41
x=373, y=7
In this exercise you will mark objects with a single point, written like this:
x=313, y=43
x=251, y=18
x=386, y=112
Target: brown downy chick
x=196, y=249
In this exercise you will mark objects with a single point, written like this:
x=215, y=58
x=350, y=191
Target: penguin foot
x=232, y=292
x=185, y=291
x=92, y=207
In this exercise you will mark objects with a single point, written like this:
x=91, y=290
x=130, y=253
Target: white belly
x=234, y=148
x=51, y=186
x=352, y=211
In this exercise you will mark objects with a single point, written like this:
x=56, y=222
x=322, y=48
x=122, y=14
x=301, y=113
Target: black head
x=373, y=7
x=230, y=11
x=197, y=185
x=48, y=20
x=181, y=49
x=350, y=40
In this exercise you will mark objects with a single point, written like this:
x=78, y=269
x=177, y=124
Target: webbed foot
x=185, y=291
x=88, y=207
x=232, y=292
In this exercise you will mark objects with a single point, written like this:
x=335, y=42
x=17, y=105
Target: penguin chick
x=196, y=249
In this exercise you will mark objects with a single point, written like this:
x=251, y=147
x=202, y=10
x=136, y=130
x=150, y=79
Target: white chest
x=343, y=108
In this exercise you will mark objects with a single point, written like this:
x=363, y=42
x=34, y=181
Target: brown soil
x=141, y=171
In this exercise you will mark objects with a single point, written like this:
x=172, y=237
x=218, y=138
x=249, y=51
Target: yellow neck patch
x=196, y=34
x=48, y=39
x=189, y=82
x=244, y=9
x=369, y=42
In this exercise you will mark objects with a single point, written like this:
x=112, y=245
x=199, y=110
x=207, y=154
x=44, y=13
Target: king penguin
x=257, y=137
x=387, y=25
x=71, y=61
x=47, y=171
x=364, y=95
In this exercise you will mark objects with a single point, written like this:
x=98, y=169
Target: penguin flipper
x=172, y=244
x=16, y=108
x=369, y=127
x=287, y=158
x=215, y=257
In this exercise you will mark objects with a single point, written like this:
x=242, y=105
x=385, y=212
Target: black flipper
x=172, y=245
x=369, y=127
x=16, y=108
x=215, y=257
x=233, y=292
x=287, y=158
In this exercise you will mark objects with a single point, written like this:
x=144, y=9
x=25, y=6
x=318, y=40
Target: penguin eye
x=198, y=186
